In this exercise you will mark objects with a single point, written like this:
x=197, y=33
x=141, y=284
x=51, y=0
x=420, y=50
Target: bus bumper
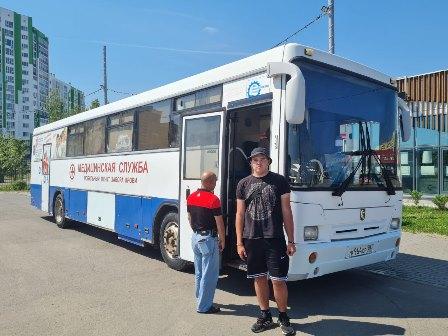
x=335, y=256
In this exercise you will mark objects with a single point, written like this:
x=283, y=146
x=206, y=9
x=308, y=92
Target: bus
x=332, y=127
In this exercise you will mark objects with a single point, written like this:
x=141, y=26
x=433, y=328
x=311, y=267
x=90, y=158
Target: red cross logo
x=72, y=171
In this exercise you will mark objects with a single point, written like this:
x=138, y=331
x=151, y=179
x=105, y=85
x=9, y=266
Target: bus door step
x=131, y=240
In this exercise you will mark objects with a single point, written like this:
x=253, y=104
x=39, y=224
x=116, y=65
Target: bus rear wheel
x=59, y=212
x=169, y=241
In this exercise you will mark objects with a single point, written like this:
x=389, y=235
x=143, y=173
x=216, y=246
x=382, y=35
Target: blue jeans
x=206, y=269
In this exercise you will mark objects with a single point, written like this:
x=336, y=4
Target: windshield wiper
x=344, y=184
x=366, y=153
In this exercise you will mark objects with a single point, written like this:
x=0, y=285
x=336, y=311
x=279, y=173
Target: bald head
x=208, y=180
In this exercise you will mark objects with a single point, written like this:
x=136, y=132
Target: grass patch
x=14, y=186
x=425, y=219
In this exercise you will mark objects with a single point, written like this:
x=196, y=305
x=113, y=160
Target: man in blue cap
x=263, y=211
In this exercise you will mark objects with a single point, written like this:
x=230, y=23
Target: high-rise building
x=71, y=97
x=24, y=75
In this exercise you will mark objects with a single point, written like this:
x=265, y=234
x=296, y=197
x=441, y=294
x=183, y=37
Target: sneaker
x=286, y=327
x=262, y=324
x=211, y=310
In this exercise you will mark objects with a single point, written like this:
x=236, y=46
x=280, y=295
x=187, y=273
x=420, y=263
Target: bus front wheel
x=59, y=212
x=169, y=241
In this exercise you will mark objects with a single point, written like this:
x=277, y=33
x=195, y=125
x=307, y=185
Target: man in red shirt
x=208, y=240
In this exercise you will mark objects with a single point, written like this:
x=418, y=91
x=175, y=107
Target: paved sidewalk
x=423, y=258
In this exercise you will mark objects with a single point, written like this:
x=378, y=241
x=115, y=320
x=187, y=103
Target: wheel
x=59, y=212
x=169, y=241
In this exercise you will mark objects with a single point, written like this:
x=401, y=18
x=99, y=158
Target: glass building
x=424, y=158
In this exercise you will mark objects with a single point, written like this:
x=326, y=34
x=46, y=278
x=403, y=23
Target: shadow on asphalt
x=351, y=294
x=109, y=237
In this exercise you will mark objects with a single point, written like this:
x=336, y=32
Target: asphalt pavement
x=84, y=281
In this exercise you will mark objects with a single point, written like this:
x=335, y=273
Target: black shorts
x=267, y=257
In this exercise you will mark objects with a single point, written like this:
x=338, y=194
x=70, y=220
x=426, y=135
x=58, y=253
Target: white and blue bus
x=332, y=127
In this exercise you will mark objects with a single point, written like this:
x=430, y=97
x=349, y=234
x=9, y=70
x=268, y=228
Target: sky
x=152, y=43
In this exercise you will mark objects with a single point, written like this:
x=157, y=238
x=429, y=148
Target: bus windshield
x=348, y=140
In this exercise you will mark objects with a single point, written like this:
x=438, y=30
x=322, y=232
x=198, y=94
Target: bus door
x=202, y=149
x=45, y=169
x=249, y=127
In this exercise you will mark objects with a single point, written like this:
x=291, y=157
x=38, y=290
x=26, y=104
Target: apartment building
x=24, y=74
x=71, y=97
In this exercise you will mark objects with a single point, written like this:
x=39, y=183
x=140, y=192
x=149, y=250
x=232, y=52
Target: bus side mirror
x=295, y=90
x=404, y=117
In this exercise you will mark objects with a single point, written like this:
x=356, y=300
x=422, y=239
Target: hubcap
x=170, y=239
x=58, y=211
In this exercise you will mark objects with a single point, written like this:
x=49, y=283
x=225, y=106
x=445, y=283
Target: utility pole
x=105, y=76
x=330, y=10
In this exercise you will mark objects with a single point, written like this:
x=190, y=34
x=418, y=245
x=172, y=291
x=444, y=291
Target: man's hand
x=241, y=252
x=291, y=249
x=222, y=244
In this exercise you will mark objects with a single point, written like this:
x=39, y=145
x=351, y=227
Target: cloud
x=210, y=30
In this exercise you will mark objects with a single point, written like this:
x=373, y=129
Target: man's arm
x=239, y=225
x=288, y=223
x=221, y=232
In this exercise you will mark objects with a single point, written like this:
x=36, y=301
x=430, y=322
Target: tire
x=59, y=212
x=169, y=241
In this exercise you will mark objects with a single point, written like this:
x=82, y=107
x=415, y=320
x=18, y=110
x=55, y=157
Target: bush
x=416, y=196
x=440, y=201
x=14, y=186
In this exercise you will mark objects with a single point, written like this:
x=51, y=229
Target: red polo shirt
x=203, y=206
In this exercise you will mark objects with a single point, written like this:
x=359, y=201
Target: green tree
x=75, y=110
x=95, y=103
x=13, y=157
x=54, y=106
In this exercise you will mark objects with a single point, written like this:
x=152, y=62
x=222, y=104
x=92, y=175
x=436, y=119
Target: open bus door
x=202, y=149
x=46, y=155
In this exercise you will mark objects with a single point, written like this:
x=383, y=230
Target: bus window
x=95, y=137
x=75, y=140
x=120, y=132
x=154, y=126
x=204, y=97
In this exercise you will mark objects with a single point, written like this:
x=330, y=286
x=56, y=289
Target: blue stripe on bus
x=134, y=215
x=36, y=195
x=76, y=207
x=75, y=202
x=128, y=216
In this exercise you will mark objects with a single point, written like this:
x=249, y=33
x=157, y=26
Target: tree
x=75, y=110
x=13, y=161
x=54, y=106
x=94, y=104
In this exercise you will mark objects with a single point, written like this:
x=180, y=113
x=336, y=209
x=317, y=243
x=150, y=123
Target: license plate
x=359, y=251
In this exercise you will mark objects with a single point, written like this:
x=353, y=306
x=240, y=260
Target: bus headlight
x=310, y=233
x=395, y=223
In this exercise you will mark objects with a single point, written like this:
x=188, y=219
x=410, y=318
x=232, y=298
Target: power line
x=119, y=92
x=324, y=11
x=91, y=93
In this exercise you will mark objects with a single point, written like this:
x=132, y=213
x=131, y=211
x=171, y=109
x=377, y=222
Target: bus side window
x=95, y=137
x=75, y=140
x=154, y=126
x=120, y=132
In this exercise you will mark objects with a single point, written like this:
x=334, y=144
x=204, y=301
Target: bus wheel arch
x=59, y=210
x=166, y=236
